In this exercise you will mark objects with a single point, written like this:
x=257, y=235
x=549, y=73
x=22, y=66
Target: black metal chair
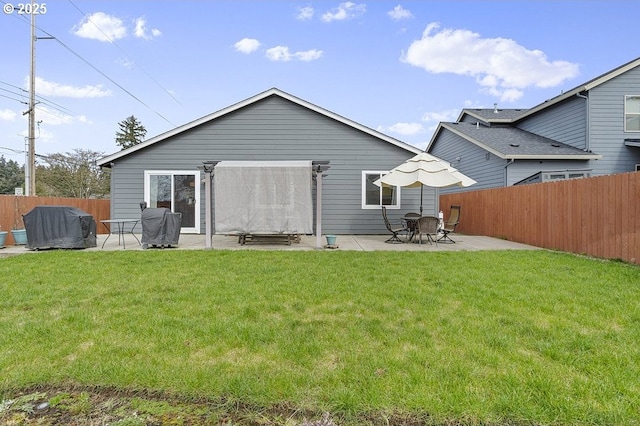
x=394, y=229
x=427, y=225
x=450, y=225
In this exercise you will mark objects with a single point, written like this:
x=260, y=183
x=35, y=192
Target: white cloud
x=406, y=129
x=501, y=66
x=47, y=88
x=309, y=55
x=446, y=115
x=346, y=10
x=127, y=63
x=102, y=27
x=283, y=54
x=305, y=13
x=279, y=53
x=398, y=13
x=247, y=45
x=7, y=115
x=53, y=118
x=141, y=30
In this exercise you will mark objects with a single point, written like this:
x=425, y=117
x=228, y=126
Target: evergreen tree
x=131, y=132
x=11, y=176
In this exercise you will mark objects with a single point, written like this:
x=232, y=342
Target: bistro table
x=122, y=229
x=411, y=222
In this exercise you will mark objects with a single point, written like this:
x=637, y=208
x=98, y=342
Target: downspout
x=510, y=162
x=588, y=129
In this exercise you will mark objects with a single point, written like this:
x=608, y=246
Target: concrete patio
x=307, y=242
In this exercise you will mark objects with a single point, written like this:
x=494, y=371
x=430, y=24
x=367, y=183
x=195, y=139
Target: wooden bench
x=249, y=238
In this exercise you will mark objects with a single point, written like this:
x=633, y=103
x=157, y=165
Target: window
x=175, y=190
x=632, y=113
x=374, y=196
x=562, y=175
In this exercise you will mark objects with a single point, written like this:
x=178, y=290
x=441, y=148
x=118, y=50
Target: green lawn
x=501, y=337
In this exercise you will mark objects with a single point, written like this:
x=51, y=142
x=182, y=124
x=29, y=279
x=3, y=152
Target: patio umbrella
x=424, y=170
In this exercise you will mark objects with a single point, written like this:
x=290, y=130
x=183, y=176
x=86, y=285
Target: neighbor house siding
x=607, y=124
x=487, y=169
x=522, y=169
x=277, y=129
x=566, y=123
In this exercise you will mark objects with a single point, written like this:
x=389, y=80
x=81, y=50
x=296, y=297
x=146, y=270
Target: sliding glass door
x=178, y=191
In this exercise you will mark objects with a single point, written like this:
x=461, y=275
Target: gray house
x=166, y=170
x=591, y=130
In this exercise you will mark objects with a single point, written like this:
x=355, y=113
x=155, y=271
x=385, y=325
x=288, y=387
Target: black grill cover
x=59, y=227
x=160, y=227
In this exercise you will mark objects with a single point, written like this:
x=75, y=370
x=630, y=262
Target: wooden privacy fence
x=597, y=216
x=12, y=208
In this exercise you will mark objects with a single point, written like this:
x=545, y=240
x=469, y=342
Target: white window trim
x=198, y=178
x=363, y=191
x=626, y=97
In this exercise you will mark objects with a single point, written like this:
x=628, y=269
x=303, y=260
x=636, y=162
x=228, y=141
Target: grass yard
x=261, y=337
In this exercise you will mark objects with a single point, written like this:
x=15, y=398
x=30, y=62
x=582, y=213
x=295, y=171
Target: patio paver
x=307, y=242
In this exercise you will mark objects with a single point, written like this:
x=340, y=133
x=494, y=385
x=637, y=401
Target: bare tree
x=74, y=175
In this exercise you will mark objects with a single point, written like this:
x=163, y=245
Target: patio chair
x=394, y=229
x=427, y=225
x=450, y=225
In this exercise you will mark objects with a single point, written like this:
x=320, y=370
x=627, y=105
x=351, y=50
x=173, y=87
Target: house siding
x=603, y=115
x=589, y=118
x=607, y=124
x=522, y=169
x=276, y=129
x=566, y=123
x=489, y=173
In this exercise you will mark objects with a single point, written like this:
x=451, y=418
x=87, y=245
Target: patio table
x=122, y=229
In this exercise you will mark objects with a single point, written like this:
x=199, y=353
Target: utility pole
x=30, y=174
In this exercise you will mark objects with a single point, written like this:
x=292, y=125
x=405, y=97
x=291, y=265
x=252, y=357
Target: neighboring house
x=271, y=126
x=591, y=130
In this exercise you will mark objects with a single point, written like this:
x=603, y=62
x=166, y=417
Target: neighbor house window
x=374, y=196
x=632, y=113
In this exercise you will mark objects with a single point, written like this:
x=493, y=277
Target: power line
x=96, y=69
x=13, y=99
x=41, y=99
x=110, y=79
x=125, y=53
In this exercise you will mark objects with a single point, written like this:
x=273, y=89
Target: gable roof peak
x=274, y=91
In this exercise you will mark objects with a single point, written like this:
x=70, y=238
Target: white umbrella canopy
x=425, y=170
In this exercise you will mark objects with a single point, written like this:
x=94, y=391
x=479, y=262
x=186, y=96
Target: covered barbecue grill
x=59, y=227
x=160, y=227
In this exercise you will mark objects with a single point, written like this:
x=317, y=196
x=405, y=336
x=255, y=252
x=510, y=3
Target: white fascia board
x=475, y=142
x=582, y=88
x=553, y=157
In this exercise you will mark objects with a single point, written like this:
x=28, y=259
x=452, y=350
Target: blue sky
x=397, y=67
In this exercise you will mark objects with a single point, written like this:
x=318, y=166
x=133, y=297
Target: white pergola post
x=319, y=209
x=208, y=220
x=319, y=167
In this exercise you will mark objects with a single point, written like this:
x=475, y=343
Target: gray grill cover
x=160, y=227
x=59, y=227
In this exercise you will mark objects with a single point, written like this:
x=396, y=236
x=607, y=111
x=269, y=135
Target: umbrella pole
x=421, y=186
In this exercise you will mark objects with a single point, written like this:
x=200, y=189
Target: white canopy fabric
x=425, y=169
x=263, y=197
